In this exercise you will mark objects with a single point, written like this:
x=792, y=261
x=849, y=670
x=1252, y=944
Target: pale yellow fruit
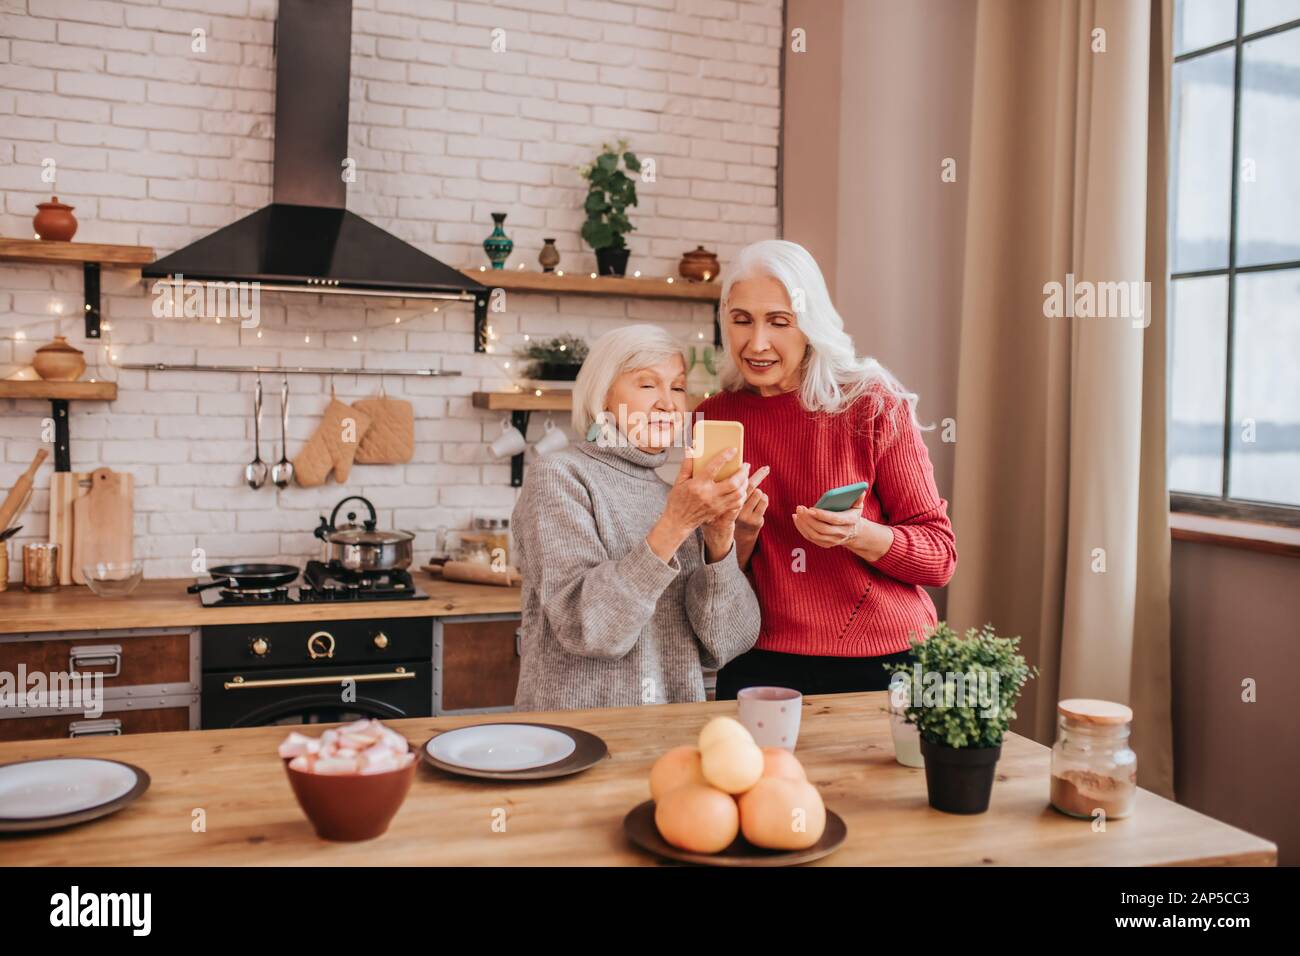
x=723, y=728
x=698, y=819
x=780, y=814
x=732, y=765
x=779, y=762
x=676, y=768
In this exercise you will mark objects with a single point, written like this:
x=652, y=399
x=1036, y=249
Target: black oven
x=309, y=672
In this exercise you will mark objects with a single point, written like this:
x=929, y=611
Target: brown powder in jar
x=1081, y=793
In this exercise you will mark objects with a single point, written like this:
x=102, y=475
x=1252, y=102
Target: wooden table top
x=251, y=816
x=163, y=603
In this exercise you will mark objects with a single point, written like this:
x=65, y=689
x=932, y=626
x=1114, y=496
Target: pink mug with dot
x=771, y=715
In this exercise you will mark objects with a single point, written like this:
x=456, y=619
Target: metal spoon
x=255, y=470
x=282, y=471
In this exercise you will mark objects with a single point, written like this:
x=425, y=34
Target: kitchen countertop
x=164, y=603
x=252, y=817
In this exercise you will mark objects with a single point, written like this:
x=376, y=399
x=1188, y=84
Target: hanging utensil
x=255, y=470
x=282, y=472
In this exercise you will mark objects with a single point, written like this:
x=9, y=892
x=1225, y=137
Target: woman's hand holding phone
x=834, y=529
x=696, y=500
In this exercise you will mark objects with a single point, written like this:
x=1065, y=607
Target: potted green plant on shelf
x=961, y=694
x=610, y=191
x=555, y=360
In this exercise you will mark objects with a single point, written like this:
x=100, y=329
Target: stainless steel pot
x=360, y=547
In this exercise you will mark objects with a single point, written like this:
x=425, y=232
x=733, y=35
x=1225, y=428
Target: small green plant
x=968, y=686
x=609, y=193
x=562, y=350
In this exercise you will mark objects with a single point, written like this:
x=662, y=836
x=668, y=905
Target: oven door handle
x=240, y=684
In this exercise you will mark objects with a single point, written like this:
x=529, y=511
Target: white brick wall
x=157, y=145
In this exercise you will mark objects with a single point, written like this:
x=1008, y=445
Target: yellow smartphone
x=712, y=437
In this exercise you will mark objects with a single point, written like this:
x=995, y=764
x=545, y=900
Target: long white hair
x=834, y=377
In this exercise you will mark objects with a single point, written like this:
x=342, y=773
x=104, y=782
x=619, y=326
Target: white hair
x=834, y=377
x=624, y=349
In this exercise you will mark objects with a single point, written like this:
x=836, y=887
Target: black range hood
x=306, y=241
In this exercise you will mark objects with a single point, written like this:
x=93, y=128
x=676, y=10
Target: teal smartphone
x=841, y=499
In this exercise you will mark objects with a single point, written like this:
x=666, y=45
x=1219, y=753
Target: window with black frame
x=1234, y=247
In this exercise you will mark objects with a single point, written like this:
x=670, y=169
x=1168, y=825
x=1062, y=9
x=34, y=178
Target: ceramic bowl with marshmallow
x=350, y=781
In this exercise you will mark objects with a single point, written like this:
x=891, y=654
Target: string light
x=637, y=274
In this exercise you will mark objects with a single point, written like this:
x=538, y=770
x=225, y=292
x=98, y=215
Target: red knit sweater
x=840, y=605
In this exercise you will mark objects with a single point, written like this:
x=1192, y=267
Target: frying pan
x=248, y=576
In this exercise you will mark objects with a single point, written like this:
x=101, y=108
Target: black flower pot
x=959, y=780
x=611, y=261
x=557, y=371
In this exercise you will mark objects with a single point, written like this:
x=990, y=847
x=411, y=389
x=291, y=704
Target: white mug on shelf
x=551, y=441
x=510, y=442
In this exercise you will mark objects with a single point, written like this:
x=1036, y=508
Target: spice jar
x=40, y=566
x=496, y=533
x=1093, y=767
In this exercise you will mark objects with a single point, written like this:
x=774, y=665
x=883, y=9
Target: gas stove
x=322, y=583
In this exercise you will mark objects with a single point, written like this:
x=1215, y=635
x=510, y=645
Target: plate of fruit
x=729, y=802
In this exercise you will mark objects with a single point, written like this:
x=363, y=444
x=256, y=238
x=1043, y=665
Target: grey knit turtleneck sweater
x=606, y=623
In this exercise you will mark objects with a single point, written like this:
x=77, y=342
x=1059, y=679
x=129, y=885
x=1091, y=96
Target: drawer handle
x=102, y=655
x=240, y=684
x=519, y=647
x=108, y=727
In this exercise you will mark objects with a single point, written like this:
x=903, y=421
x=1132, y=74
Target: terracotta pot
x=59, y=361
x=699, y=265
x=54, y=221
x=350, y=807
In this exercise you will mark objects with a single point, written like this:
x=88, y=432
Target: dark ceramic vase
x=549, y=257
x=54, y=221
x=498, y=245
x=611, y=261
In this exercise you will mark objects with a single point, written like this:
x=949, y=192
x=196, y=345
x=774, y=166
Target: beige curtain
x=1060, y=502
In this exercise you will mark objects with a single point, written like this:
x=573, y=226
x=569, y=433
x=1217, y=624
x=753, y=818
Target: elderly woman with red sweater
x=841, y=593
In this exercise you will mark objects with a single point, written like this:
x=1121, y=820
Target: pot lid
x=362, y=536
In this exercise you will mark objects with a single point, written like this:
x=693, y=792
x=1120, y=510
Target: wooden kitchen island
x=235, y=778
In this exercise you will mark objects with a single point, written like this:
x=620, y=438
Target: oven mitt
x=334, y=445
x=390, y=439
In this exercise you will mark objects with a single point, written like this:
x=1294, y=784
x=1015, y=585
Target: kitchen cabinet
x=476, y=664
x=148, y=679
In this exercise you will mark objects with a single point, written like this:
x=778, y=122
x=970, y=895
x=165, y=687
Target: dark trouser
x=808, y=675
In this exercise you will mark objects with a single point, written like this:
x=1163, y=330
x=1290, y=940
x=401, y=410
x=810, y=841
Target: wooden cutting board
x=102, y=522
x=65, y=488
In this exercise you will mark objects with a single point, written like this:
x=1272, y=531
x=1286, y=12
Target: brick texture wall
x=156, y=144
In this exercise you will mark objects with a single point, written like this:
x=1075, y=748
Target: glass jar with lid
x=1093, y=767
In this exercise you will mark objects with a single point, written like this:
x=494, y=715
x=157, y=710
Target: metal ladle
x=282, y=471
x=255, y=470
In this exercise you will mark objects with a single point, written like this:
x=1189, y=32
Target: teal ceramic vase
x=498, y=245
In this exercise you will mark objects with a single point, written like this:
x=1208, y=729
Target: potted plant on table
x=961, y=695
x=558, y=359
x=610, y=192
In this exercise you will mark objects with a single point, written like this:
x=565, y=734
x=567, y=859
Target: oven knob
x=260, y=646
x=320, y=644
x=381, y=640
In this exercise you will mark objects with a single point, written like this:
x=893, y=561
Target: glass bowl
x=113, y=580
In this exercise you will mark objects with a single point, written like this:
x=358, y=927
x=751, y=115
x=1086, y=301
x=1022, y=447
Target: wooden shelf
x=66, y=391
x=583, y=284
x=49, y=251
x=559, y=400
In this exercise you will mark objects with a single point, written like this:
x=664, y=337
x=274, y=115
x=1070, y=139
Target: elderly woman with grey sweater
x=630, y=584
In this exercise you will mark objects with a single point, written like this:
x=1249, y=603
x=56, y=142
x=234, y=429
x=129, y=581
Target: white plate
x=501, y=747
x=49, y=788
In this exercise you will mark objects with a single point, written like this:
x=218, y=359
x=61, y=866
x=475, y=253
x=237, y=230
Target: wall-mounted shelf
x=59, y=394
x=523, y=280
x=523, y=403
x=91, y=256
